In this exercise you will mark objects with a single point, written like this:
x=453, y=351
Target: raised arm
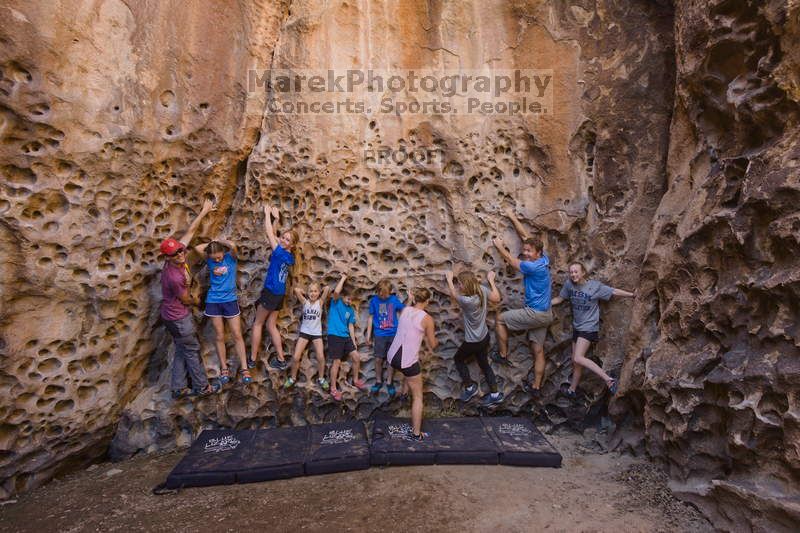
x=620, y=292
x=430, y=332
x=208, y=206
x=452, y=289
x=273, y=239
x=338, y=290
x=521, y=231
x=201, y=248
x=298, y=292
x=231, y=246
x=325, y=293
x=501, y=247
x=494, y=295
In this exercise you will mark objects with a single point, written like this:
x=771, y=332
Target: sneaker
x=417, y=438
x=289, y=383
x=212, y=388
x=360, y=385
x=177, y=394
x=250, y=363
x=533, y=391
x=569, y=393
x=277, y=364
x=224, y=377
x=499, y=359
x=324, y=384
x=246, y=377
x=613, y=387
x=493, y=398
x=375, y=389
x=337, y=395
x=469, y=393
x=391, y=390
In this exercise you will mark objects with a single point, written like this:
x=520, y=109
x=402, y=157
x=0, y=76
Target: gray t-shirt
x=474, y=315
x=585, y=305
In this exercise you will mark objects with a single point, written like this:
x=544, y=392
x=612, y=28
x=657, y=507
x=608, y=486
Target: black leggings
x=479, y=350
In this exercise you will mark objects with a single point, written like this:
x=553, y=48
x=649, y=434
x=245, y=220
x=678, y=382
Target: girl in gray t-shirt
x=473, y=299
x=585, y=295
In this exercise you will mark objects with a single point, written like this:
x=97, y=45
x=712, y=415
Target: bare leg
x=390, y=375
x=577, y=370
x=502, y=336
x=299, y=349
x=579, y=358
x=356, y=365
x=255, y=336
x=415, y=384
x=319, y=349
x=274, y=334
x=379, y=370
x=236, y=329
x=219, y=340
x=335, y=374
x=538, y=364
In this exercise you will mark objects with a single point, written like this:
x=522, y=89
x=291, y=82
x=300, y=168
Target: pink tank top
x=409, y=336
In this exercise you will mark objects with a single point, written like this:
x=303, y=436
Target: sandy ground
x=591, y=492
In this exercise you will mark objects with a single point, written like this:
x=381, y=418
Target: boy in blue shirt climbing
x=536, y=316
x=342, y=337
x=384, y=308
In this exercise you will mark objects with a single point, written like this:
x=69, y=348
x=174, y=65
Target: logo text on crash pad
x=514, y=430
x=341, y=436
x=221, y=444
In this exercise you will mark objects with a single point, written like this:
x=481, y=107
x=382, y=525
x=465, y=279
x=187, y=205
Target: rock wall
x=713, y=361
x=666, y=166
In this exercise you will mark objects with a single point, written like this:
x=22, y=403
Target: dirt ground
x=591, y=492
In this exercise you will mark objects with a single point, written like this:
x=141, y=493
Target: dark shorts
x=411, y=371
x=339, y=347
x=381, y=345
x=309, y=337
x=270, y=301
x=591, y=336
x=224, y=309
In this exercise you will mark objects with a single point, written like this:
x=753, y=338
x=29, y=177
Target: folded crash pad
x=337, y=447
x=213, y=459
x=520, y=443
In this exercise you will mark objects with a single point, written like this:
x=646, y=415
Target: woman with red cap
x=176, y=314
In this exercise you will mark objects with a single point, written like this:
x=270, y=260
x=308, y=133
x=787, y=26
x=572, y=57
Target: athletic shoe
x=250, y=363
x=324, y=384
x=277, y=364
x=224, y=377
x=613, y=387
x=391, y=390
x=569, y=393
x=499, y=359
x=493, y=398
x=533, y=391
x=375, y=389
x=417, y=438
x=177, y=394
x=212, y=388
x=469, y=393
x=289, y=383
x=247, y=379
x=337, y=395
x=360, y=385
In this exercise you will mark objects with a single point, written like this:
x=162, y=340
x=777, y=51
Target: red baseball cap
x=171, y=246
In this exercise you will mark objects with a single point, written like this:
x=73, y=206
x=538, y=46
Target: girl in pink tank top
x=414, y=325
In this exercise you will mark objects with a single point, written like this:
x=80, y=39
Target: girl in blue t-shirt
x=274, y=291
x=222, y=303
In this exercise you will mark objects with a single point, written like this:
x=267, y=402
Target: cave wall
x=713, y=361
x=667, y=165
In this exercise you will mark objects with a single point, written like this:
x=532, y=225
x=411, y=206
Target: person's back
x=410, y=333
x=475, y=308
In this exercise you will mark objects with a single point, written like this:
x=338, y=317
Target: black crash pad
x=450, y=441
x=520, y=443
x=222, y=457
x=337, y=447
x=213, y=459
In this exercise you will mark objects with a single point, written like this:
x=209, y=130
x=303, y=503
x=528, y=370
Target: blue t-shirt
x=384, y=315
x=537, y=283
x=340, y=315
x=223, y=280
x=278, y=270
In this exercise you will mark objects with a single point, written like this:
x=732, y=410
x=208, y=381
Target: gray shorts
x=526, y=319
x=382, y=346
